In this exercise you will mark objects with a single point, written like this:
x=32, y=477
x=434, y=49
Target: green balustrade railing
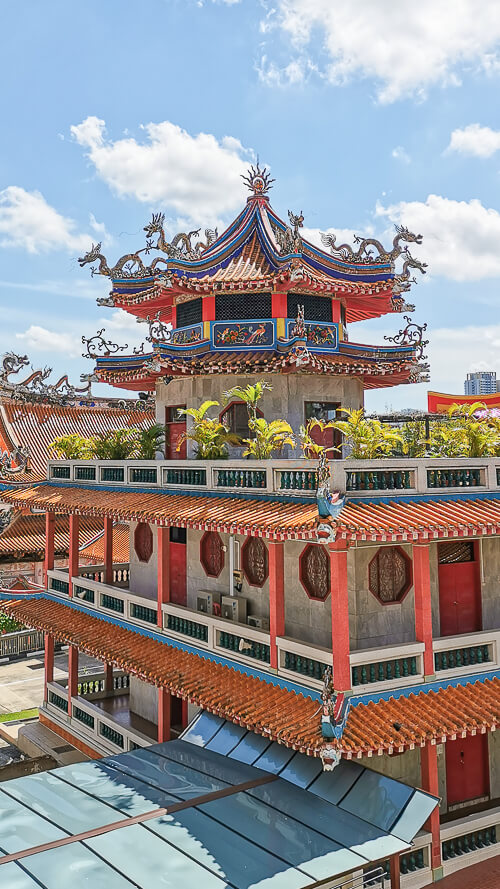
x=453, y=478
x=306, y=666
x=112, y=474
x=112, y=603
x=85, y=473
x=111, y=735
x=59, y=586
x=140, y=612
x=58, y=701
x=84, y=717
x=384, y=671
x=134, y=746
x=61, y=472
x=241, y=478
x=249, y=647
x=187, y=627
x=298, y=480
x=462, y=657
x=179, y=476
x=82, y=593
x=92, y=686
x=379, y=480
x=412, y=861
x=469, y=842
x=145, y=475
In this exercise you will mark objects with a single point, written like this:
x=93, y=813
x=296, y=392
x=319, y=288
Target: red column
x=174, y=317
x=395, y=872
x=49, y=662
x=163, y=570
x=276, y=596
x=430, y=783
x=423, y=608
x=108, y=677
x=164, y=708
x=336, y=313
x=108, y=550
x=72, y=675
x=48, y=564
x=279, y=307
x=185, y=713
x=208, y=308
x=74, y=539
x=340, y=616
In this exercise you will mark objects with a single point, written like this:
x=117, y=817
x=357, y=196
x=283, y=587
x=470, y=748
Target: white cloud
x=460, y=238
x=194, y=176
x=405, y=47
x=42, y=340
x=475, y=140
x=28, y=221
x=400, y=154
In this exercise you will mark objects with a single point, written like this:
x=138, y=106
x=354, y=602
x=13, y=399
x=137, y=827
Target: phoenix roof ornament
x=258, y=180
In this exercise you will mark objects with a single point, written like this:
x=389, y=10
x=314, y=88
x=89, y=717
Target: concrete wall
x=305, y=619
x=490, y=560
x=284, y=402
x=403, y=767
x=144, y=575
x=371, y=623
x=143, y=699
x=494, y=755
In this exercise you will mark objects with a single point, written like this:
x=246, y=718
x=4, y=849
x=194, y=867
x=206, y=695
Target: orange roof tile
x=121, y=545
x=399, y=723
x=37, y=425
x=397, y=520
x=25, y=536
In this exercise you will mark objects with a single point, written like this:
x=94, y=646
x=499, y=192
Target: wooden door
x=459, y=598
x=175, y=427
x=467, y=769
x=178, y=560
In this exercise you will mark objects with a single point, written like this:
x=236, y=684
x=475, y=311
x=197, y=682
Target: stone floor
x=118, y=708
x=485, y=875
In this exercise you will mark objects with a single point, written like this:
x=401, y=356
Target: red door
x=178, y=566
x=175, y=427
x=467, y=769
x=459, y=598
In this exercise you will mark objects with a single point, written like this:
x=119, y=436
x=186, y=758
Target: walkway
x=485, y=875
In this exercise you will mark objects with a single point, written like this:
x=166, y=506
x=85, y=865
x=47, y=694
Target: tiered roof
x=397, y=721
x=24, y=538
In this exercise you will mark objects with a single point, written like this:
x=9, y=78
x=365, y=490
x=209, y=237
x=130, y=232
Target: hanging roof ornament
x=258, y=180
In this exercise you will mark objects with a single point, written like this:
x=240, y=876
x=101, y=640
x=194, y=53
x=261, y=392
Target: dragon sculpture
x=403, y=281
x=363, y=254
x=128, y=266
x=34, y=388
x=12, y=364
x=180, y=247
x=289, y=240
x=19, y=456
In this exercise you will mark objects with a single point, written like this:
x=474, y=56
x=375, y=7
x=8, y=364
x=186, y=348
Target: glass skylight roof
x=219, y=808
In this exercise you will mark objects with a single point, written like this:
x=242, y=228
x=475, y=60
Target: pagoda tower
x=258, y=300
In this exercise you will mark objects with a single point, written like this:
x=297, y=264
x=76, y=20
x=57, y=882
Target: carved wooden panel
x=255, y=561
x=212, y=553
x=143, y=542
x=389, y=574
x=315, y=571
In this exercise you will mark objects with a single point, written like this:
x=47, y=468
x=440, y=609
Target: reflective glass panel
x=225, y=740
x=332, y=786
x=74, y=867
x=203, y=730
x=377, y=799
x=274, y=758
x=20, y=828
x=130, y=795
x=302, y=770
x=413, y=816
x=250, y=748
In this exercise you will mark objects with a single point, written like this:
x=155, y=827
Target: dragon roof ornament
x=34, y=388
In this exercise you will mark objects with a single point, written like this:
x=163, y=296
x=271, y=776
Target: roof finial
x=258, y=180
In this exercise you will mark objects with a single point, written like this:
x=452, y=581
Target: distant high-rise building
x=481, y=383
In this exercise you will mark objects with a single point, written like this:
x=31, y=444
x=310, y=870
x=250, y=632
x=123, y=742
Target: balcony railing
x=91, y=723
x=372, y=669
x=361, y=478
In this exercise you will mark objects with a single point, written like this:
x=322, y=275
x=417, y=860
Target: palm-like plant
x=466, y=434
x=269, y=437
x=149, y=441
x=250, y=395
x=119, y=444
x=73, y=447
x=366, y=438
x=210, y=436
x=310, y=448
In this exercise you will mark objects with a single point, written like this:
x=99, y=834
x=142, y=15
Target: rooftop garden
x=466, y=431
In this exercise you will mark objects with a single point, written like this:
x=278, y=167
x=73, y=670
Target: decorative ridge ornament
x=411, y=335
x=12, y=364
x=158, y=331
x=363, y=254
x=98, y=347
x=335, y=710
x=258, y=180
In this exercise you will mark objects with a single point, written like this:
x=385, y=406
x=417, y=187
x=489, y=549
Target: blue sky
x=368, y=113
